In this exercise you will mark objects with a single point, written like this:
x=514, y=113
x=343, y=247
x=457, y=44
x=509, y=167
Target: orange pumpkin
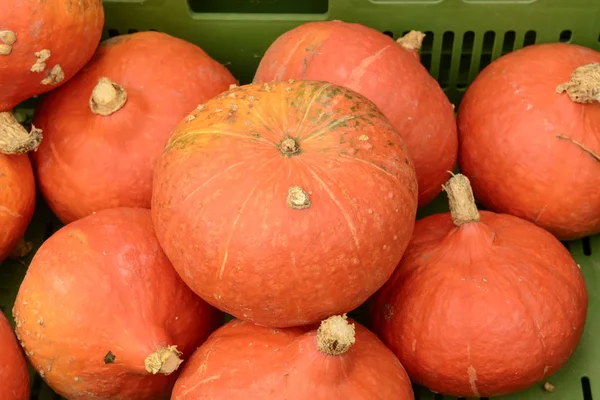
x=388, y=73
x=533, y=115
x=482, y=304
x=17, y=200
x=102, y=314
x=14, y=375
x=337, y=361
x=42, y=45
x=105, y=129
x=267, y=191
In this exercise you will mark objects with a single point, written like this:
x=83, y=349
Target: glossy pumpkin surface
x=14, y=375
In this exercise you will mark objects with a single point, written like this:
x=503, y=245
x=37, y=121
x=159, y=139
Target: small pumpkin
x=388, y=73
x=339, y=360
x=17, y=200
x=14, y=375
x=130, y=319
x=267, y=191
x=482, y=304
x=533, y=115
x=43, y=44
x=106, y=128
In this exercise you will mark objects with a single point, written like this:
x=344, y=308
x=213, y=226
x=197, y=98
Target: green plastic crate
x=463, y=36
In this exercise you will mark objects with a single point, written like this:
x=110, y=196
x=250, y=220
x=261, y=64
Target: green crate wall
x=463, y=36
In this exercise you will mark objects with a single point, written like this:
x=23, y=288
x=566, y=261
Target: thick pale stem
x=461, y=200
x=584, y=86
x=335, y=336
x=107, y=97
x=164, y=360
x=412, y=41
x=14, y=139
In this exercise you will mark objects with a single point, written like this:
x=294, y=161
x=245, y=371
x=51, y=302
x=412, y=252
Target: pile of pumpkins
x=286, y=203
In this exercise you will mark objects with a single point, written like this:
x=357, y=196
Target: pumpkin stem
x=297, y=198
x=461, y=200
x=412, y=41
x=289, y=146
x=164, y=360
x=107, y=97
x=14, y=139
x=335, y=336
x=584, y=86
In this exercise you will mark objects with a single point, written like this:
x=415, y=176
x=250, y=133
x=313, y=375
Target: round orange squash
x=43, y=44
x=14, y=375
x=533, y=115
x=482, y=304
x=388, y=73
x=105, y=129
x=268, y=191
x=339, y=360
x=101, y=312
x=17, y=200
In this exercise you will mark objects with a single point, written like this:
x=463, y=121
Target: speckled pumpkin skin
x=220, y=201
x=70, y=30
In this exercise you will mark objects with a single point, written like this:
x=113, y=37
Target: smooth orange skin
x=17, y=200
x=484, y=309
x=509, y=120
x=220, y=213
x=243, y=361
x=103, y=284
x=374, y=65
x=89, y=162
x=70, y=29
x=14, y=375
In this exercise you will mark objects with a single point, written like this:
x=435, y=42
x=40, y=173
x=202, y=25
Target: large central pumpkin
x=285, y=203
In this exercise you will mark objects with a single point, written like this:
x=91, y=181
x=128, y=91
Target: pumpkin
x=388, y=73
x=338, y=360
x=482, y=304
x=533, y=115
x=267, y=191
x=42, y=45
x=101, y=313
x=14, y=375
x=105, y=129
x=17, y=200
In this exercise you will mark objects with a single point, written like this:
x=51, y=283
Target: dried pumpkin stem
x=289, y=146
x=335, y=335
x=164, y=360
x=412, y=41
x=14, y=139
x=461, y=200
x=297, y=198
x=107, y=97
x=584, y=86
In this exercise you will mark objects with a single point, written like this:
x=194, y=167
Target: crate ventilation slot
x=260, y=6
x=587, y=246
x=586, y=388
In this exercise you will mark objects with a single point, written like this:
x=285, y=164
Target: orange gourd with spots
x=388, y=73
x=338, y=361
x=482, y=304
x=43, y=44
x=285, y=203
x=130, y=319
x=14, y=375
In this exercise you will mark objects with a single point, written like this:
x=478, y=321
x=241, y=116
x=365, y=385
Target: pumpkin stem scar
x=584, y=86
x=289, y=146
x=164, y=360
x=297, y=198
x=335, y=335
x=412, y=41
x=461, y=200
x=14, y=139
x=581, y=146
x=107, y=97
